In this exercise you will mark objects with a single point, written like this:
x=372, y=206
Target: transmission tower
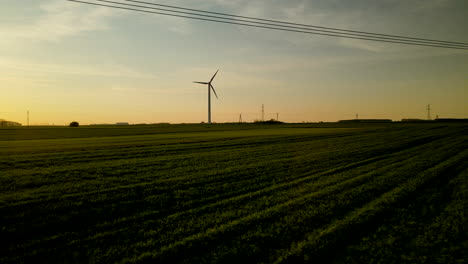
x=428, y=112
x=263, y=113
x=240, y=118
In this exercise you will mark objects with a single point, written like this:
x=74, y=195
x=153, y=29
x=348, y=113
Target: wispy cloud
x=57, y=20
x=176, y=25
x=397, y=17
x=105, y=70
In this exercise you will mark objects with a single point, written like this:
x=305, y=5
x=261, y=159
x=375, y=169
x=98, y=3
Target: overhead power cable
x=275, y=25
x=293, y=24
x=285, y=24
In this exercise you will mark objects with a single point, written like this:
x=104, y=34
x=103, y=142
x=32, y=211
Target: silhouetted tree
x=5, y=123
x=74, y=124
x=271, y=121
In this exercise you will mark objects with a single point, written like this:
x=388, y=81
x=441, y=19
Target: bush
x=74, y=124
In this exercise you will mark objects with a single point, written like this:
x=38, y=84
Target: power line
x=287, y=26
x=240, y=22
x=295, y=24
x=372, y=38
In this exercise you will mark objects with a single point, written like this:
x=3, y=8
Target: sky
x=63, y=61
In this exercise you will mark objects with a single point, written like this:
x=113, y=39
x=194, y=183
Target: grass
x=339, y=193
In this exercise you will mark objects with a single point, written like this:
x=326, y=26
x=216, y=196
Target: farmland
x=329, y=193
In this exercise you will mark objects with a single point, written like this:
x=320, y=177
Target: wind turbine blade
x=214, y=76
x=202, y=82
x=214, y=91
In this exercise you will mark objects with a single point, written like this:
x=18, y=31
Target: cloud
x=435, y=19
x=59, y=19
x=176, y=25
x=33, y=69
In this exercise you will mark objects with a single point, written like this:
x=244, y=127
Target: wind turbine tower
x=210, y=87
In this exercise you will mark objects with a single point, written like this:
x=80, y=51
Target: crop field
x=322, y=193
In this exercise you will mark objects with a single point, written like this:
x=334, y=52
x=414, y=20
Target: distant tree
x=5, y=123
x=74, y=124
x=271, y=121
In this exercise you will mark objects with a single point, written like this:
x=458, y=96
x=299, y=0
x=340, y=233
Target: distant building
x=366, y=121
x=452, y=120
x=122, y=123
x=415, y=120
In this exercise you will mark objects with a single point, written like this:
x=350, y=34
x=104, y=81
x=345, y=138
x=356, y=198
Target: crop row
x=319, y=206
x=221, y=198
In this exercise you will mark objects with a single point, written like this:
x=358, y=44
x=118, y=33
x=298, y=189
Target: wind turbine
x=210, y=87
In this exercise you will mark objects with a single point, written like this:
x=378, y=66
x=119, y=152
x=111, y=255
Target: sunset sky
x=65, y=61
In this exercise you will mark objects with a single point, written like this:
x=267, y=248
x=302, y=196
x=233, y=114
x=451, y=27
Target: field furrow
x=191, y=194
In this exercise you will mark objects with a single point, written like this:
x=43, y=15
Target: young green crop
x=193, y=193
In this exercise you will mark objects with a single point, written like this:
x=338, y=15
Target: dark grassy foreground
x=388, y=193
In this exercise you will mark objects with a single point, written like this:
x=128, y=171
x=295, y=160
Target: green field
x=323, y=193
